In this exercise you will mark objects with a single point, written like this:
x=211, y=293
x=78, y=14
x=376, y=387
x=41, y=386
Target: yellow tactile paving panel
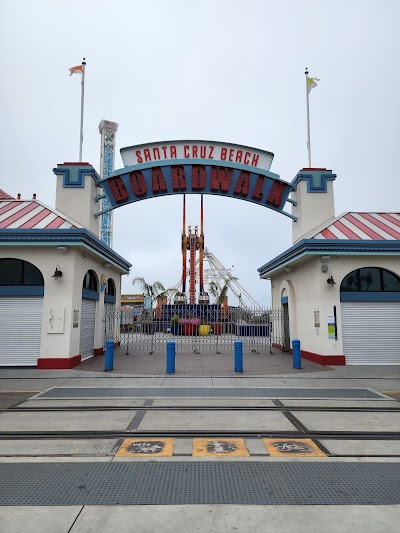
x=146, y=447
x=219, y=448
x=292, y=448
x=392, y=393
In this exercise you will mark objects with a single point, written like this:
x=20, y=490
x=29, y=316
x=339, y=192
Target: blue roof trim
x=316, y=181
x=330, y=246
x=64, y=237
x=73, y=175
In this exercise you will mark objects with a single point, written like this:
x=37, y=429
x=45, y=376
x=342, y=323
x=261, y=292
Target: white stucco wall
x=308, y=291
x=65, y=292
x=79, y=204
x=311, y=209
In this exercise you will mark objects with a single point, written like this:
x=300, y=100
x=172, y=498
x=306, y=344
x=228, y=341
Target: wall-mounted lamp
x=331, y=282
x=57, y=273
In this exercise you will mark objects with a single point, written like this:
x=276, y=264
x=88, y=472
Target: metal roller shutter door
x=88, y=318
x=20, y=330
x=371, y=332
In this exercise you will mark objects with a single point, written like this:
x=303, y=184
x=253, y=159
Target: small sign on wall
x=331, y=327
x=75, y=318
x=316, y=319
x=56, y=320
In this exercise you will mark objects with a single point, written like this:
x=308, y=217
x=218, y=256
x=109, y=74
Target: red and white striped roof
x=5, y=196
x=362, y=226
x=32, y=214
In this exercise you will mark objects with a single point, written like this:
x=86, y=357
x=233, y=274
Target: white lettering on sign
x=213, y=152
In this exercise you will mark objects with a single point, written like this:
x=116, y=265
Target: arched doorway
x=21, y=308
x=286, y=329
x=370, y=309
x=90, y=296
x=109, y=309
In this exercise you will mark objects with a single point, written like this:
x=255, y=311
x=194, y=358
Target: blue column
x=296, y=353
x=238, y=356
x=109, y=359
x=170, y=357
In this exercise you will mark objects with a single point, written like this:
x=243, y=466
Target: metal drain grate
x=174, y=483
x=204, y=392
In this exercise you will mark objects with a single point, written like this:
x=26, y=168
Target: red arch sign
x=196, y=167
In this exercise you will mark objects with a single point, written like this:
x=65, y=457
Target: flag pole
x=82, y=104
x=308, y=121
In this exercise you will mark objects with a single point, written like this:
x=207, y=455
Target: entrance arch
x=109, y=309
x=196, y=167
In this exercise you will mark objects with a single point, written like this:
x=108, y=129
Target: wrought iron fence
x=196, y=328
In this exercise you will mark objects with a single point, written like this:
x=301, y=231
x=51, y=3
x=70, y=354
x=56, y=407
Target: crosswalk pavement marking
x=146, y=447
x=219, y=447
x=292, y=448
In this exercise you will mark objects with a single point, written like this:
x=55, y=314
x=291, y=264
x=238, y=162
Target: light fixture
x=324, y=268
x=61, y=249
x=325, y=258
x=57, y=273
x=331, y=281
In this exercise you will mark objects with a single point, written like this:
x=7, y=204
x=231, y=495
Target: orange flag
x=76, y=70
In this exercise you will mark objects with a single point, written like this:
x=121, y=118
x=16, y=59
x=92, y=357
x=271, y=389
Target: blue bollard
x=170, y=357
x=238, y=356
x=296, y=353
x=109, y=359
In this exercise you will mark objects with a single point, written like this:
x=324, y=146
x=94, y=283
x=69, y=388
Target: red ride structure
x=193, y=242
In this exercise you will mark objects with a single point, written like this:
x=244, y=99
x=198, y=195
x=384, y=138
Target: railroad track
x=113, y=434
x=96, y=408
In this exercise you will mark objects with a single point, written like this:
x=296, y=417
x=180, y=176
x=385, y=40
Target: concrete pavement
x=273, y=372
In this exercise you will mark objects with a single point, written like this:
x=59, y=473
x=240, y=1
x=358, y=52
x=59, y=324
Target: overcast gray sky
x=224, y=70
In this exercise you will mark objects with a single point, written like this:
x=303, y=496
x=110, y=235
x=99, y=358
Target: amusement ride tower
x=192, y=242
x=107, y=131
x=217, y=273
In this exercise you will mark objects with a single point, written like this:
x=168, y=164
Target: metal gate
x=286, y=334
x=196, y=328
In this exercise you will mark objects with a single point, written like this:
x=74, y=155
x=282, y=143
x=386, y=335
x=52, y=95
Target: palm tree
x=151, y=291
x=155, y=291
x=218, y=292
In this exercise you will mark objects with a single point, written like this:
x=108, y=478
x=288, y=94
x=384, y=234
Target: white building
x=56, y=276
x=340, y=281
